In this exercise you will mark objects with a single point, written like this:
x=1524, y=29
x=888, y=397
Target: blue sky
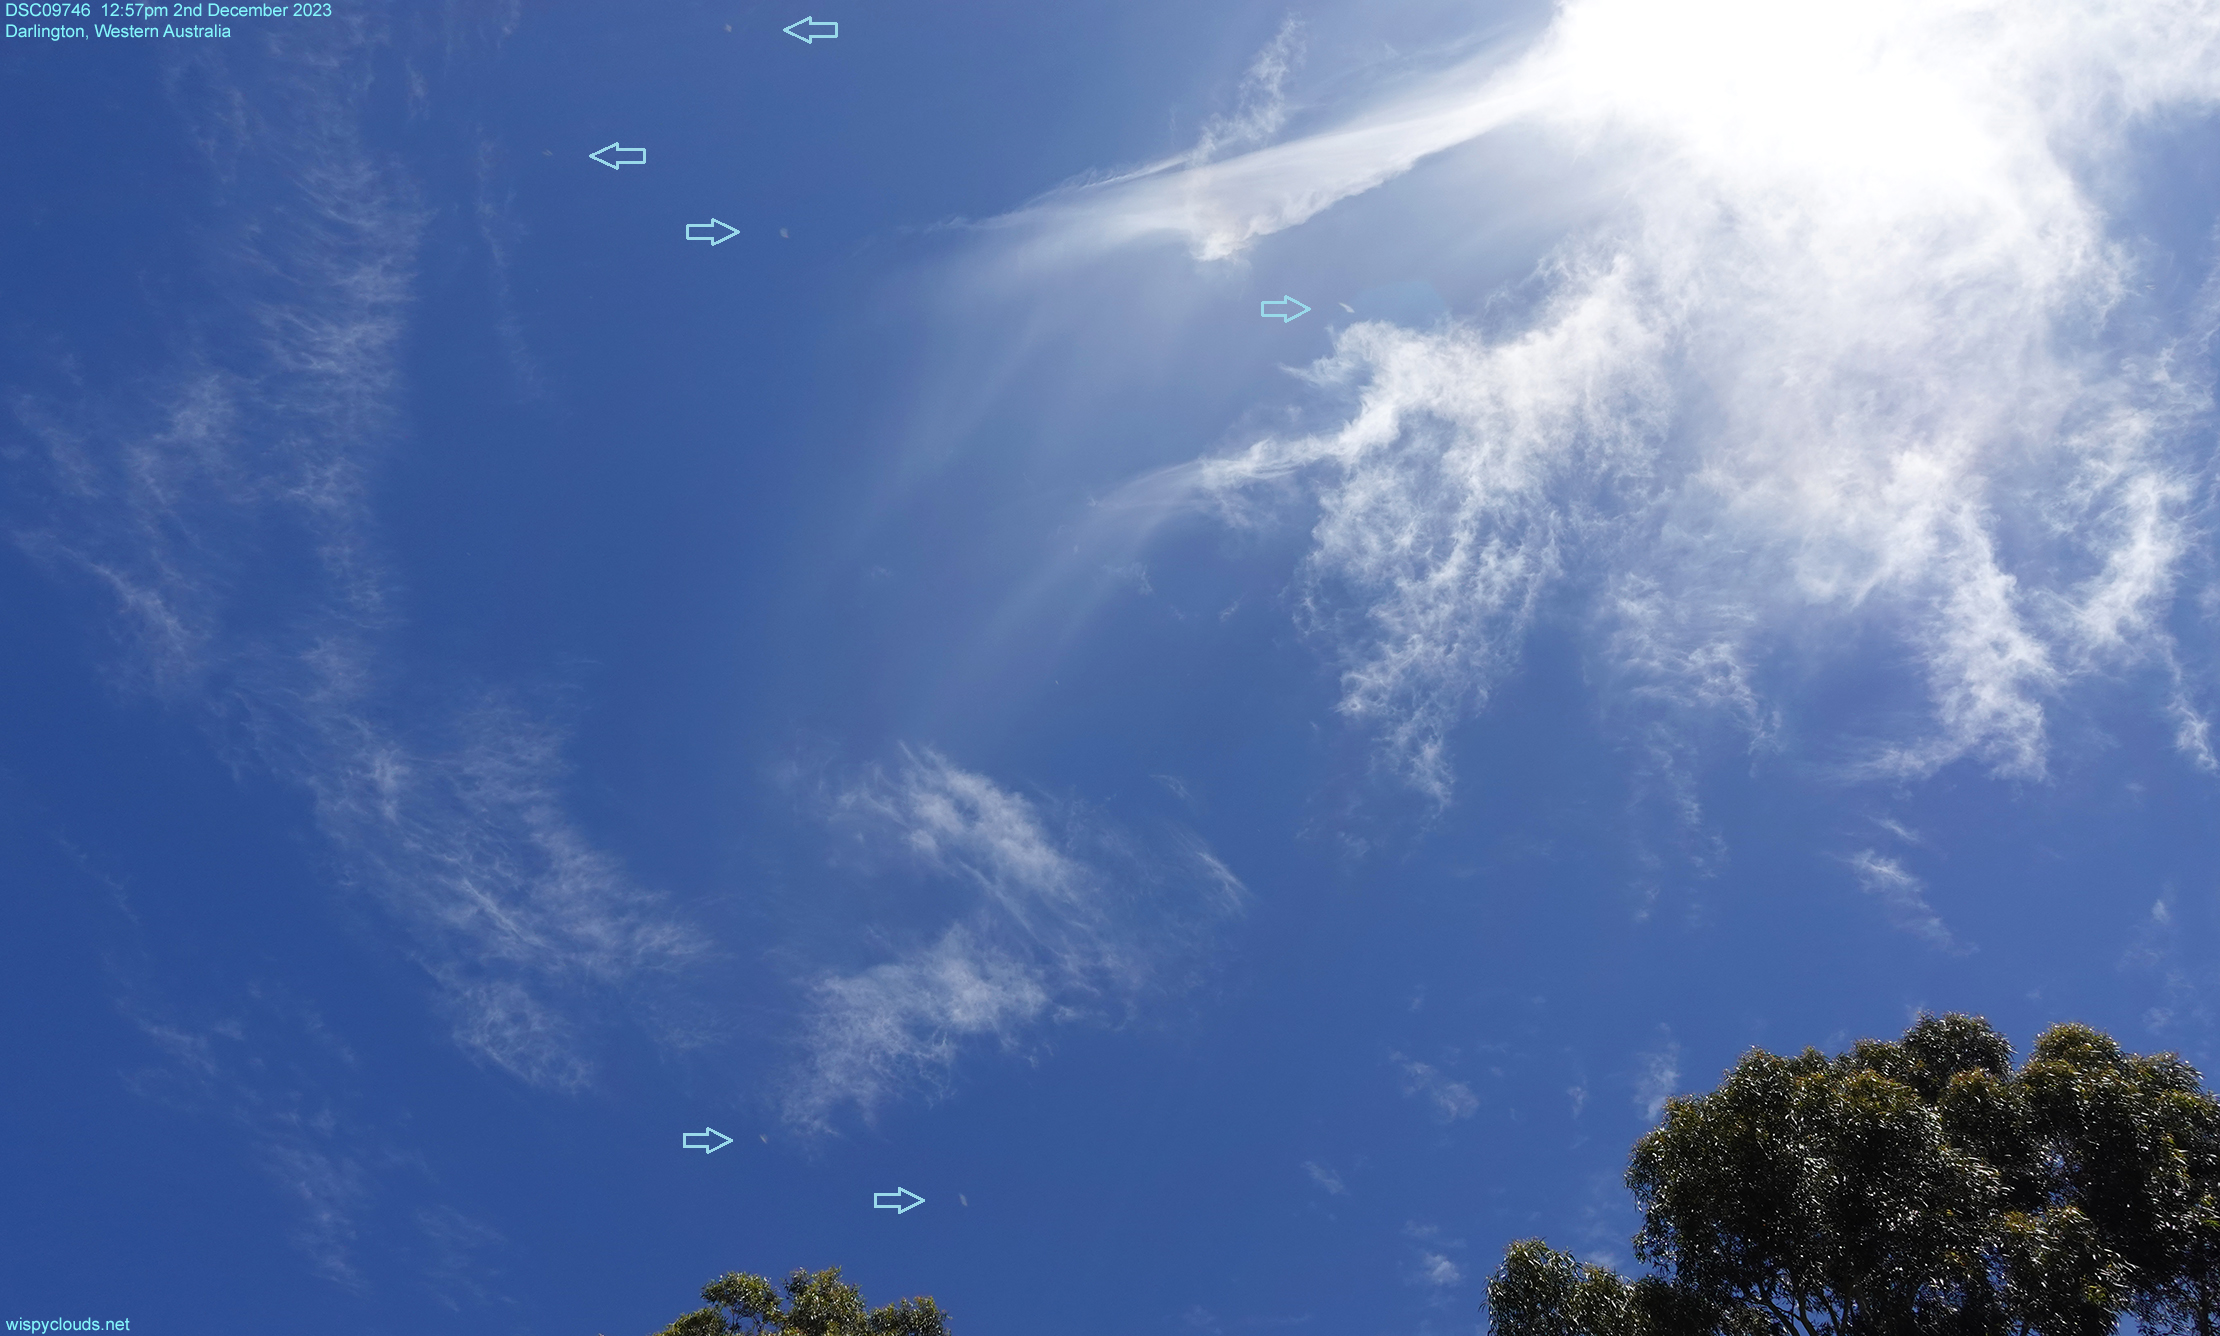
x=1245, y=818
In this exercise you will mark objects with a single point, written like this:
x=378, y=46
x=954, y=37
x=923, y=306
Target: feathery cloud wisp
x=1451, y=1099
x=1262, y=109
x=1657, y=1079
x=1066, y=919
x=1220, y=205
x=1903, y=895
x=1326, y=1178
x=1434, y=1268
x=1855, y=358
x=225, y=507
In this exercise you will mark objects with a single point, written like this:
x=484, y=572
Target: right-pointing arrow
x=812, y=30
x=716, y=232
x=892, y=1201
x=1288, y=309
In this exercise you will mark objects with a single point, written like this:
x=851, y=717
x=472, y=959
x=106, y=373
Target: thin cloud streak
x=1325, y=1178
x=1219, y=206
x=1904, y=896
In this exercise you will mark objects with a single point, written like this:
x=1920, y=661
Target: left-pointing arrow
x=708, y=1140
x=716, y=232
x=615, y=156
x=813, y=30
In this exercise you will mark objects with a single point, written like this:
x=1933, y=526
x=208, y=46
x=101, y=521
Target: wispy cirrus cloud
x=515, y=912
x=1433, y=1268
x=1657, y=1076
x=1218, y=205
x=1262, y=107
x=1862, y=358
x=1437, y=1270
x=1325, y=1177
x=223, y=504
x=1451, y=1100
x=1060, y=917
x=306, y=1142
x=272, y=1068
x=2162, y=948
x=1903, y=896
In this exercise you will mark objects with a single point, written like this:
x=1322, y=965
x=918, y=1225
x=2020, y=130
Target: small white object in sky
x=1346, y=307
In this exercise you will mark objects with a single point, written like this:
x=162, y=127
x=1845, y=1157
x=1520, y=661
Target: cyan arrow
x=711, y=230
x=616, y=155
x=812, y=30
x=701, y=1141
x=892, y=1201
x=1265, y=309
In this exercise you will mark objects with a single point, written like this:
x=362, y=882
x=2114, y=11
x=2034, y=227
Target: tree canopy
x=816, y=1303
x=1908, y=1189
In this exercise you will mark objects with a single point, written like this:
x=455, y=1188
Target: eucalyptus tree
x=1919, y=1188
x=816, y=1303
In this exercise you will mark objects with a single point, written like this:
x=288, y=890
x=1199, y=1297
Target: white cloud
x=965, y=827
x=271, y=1068
x=1067, y=918
x=1900, y=830
x=1262, y=109
x=456, y=1251
x=2156, y=951
x=903, y=1023
x=1438, y=1271
x=1657, y=1078
x=510, y=909
x=1903, y=895
x=1859, y=361
x=307, y=1143
x=329, y=1191
x=224, y=506
x=1219, y=206
x=1434, y=1268
x=1451, y=1099
x=504, y=1023
x=1325, y=1178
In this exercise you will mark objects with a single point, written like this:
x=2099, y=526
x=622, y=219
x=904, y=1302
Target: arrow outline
x=618, y=145
x=1283, y=318
x=898, y=1193
x=815, y=37
x=686, y=1140
x=714, y=221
